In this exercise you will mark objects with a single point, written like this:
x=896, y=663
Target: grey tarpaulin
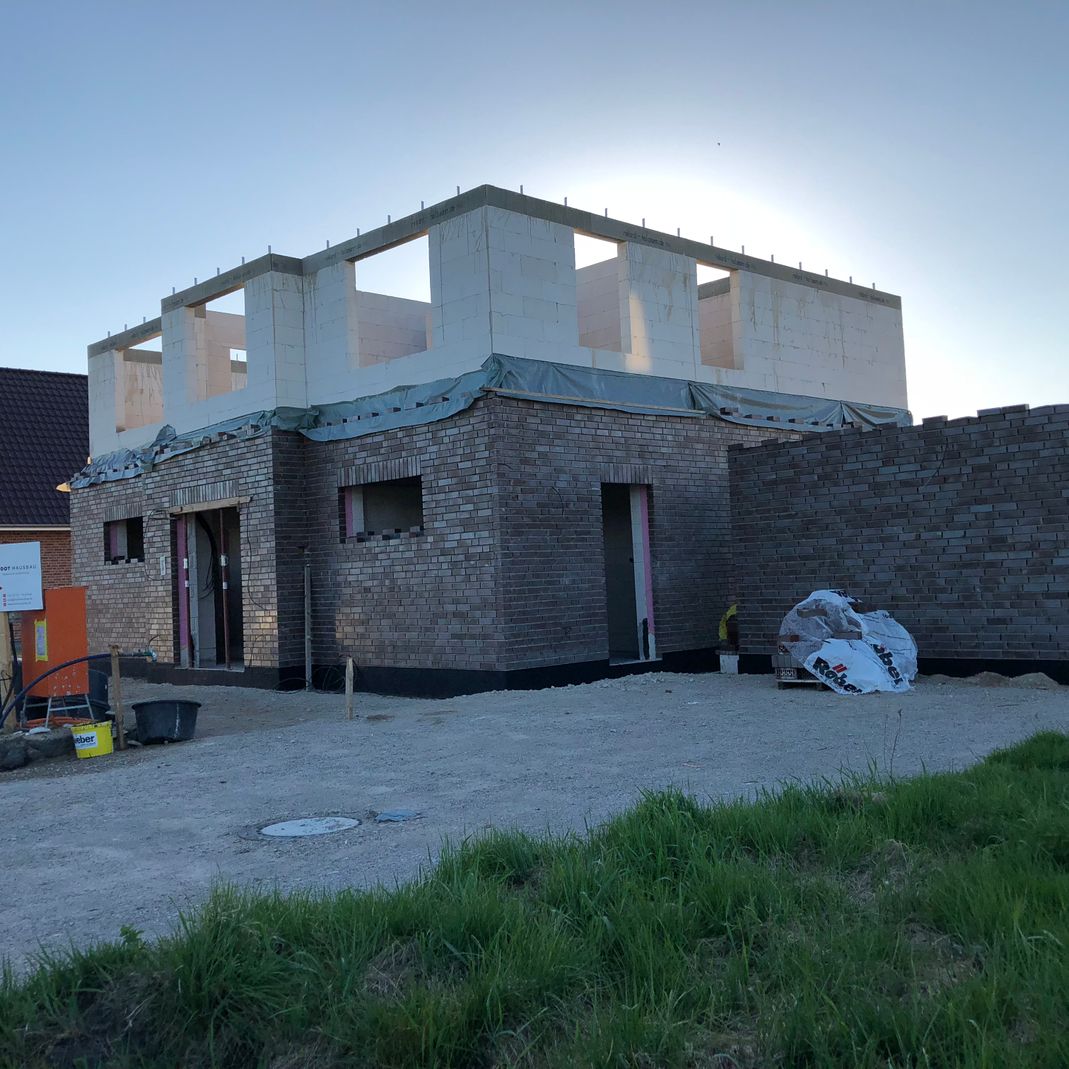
x=410, y=406
x=629, y=392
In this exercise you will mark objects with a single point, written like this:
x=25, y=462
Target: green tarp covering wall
x=539, y=380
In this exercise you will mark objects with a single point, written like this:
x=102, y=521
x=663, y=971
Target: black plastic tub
x=166, y=720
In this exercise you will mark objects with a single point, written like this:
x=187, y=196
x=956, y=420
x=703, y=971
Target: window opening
x=716, y=317
x=222, y=364
x=393, y=302
x=382, y=510
x=707, y=273
x=124, y=540
x=597, y=292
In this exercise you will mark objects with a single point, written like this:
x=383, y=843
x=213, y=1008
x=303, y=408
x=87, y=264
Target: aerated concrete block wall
x=125, y=397
x=141, y=403
x=959, y=528
x=502, y=279
x=718, y=317
x=797, y=339
x=533, y=303
x=390, y=327
x=598, y=304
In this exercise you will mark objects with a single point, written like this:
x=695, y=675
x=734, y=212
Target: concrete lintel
x=209, y=506
x=412, y=226
x=397, y=233
x=234, y=279
x=714, y=288
x=128, y=339
x=601, y=226
x=142, y=356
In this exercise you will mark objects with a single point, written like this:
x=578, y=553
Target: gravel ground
x=89, y=845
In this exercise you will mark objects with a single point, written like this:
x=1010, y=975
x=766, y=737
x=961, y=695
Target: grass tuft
x=919, y=922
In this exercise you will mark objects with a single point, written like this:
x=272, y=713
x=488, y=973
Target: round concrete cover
x=293, y=829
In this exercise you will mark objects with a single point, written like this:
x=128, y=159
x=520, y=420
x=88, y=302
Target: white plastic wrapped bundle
x=852, y=652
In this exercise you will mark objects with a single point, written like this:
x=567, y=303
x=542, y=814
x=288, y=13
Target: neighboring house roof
x=44, y=440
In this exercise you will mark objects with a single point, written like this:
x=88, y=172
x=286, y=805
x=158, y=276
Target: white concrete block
x=460, y=286
x=845, y=348
x=659, y=313
x=106, y=402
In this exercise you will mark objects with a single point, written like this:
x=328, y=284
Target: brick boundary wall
x=959, y=528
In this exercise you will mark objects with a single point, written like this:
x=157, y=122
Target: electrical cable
x=209, y=583
x=10, y=704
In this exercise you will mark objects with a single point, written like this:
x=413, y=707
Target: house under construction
x=522, y=480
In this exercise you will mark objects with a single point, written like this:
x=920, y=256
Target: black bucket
x=166, y=720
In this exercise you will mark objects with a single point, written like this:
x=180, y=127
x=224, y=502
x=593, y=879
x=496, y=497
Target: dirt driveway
x=86, y=846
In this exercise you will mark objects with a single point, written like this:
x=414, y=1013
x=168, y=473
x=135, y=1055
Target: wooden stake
x=7, y=668
x=349, y=688
x=116, y=697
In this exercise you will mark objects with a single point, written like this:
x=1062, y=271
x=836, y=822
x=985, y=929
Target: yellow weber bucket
x=92, y=739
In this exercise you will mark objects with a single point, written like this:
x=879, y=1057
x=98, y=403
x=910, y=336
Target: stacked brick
x=960, y=528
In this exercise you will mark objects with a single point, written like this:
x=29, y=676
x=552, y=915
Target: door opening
x=208, y=574
x=628, y=579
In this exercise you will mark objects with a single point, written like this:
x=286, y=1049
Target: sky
x=923, y=146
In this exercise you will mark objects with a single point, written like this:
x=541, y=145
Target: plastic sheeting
x=850, y=651
x=410, y=406
x=630, y=392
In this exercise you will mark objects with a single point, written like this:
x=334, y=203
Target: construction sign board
x=20, y=577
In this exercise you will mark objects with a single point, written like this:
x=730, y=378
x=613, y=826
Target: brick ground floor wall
x=423, y=601
x=134, y=604
x=552, y=461
x=509, y=573
x=506, y=575
x=959, y=528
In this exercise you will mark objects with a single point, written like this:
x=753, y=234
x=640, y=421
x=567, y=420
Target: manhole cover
x=294, y=829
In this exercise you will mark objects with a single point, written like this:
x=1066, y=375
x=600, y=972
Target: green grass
x=922, y=922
